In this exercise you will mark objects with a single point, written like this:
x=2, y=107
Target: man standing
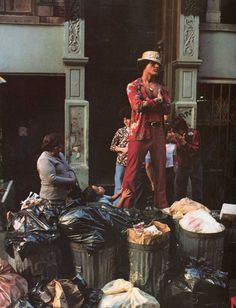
x=188, y=158
x=149, y=102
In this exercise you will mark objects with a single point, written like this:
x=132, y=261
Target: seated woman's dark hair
x=179, y=123
x=50, y=141
x=89, y=194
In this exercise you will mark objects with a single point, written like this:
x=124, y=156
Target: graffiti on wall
x=76, y=140
x=186, y=113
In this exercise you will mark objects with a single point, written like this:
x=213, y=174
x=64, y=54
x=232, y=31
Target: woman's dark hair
x=50, y=141
x=125, y=112
x=179, y=124
x=89, y=194
x=141, y=66
x=167, y=128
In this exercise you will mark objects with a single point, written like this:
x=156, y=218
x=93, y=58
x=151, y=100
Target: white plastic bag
x=200, y=221
x=122, y=294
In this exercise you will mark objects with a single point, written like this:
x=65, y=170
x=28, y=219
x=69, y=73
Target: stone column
x=213, y=11
x=187, y=62
x=76, y=107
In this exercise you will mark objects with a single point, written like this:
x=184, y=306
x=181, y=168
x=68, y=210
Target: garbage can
x=209, y=246
x=42, y=264
x=97, y=269
x=148, y=264
x=230, y=248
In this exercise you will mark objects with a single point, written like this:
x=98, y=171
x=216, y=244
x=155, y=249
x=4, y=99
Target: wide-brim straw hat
x=150, y=55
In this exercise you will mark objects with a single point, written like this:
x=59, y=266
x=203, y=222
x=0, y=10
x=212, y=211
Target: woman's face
x=127, y=122
x=152, y=68
x=56, y=150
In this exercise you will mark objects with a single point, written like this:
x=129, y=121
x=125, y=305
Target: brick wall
x=32, y=11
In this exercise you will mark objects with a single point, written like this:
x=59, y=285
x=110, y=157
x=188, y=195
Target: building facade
x=67, y=64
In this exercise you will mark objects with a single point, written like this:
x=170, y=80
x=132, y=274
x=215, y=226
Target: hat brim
x=153, y=60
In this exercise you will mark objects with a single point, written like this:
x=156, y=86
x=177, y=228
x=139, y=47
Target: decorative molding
x=184, y=64
x=73, y=10
x=74, y=43
x=189, y=36
x=76, y=62
x=193, y=7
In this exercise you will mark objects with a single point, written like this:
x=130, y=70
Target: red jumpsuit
x=147, y=134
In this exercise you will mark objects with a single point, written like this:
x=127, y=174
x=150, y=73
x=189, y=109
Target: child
x=119, y=145
x=95, y=193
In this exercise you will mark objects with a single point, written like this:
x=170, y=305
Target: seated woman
x=57, y=177
x=95, y=193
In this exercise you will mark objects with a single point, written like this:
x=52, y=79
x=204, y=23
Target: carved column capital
x=192, y=7
x=73, y=9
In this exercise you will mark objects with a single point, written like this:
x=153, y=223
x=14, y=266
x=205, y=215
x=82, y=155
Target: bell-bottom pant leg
x=136, y=155
x=158, y=159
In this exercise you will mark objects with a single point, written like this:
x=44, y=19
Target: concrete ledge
x=218, y=27
x=15, y=19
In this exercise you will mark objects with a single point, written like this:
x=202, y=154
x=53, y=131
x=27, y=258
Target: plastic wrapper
x=94, y=225
x=12, y=285
x=200, y=221
x=122, y=294
x=194, y=284
x=30, y=227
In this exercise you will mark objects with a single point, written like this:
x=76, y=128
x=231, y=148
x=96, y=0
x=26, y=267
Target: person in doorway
x=57, y=177
x=149, y=101
x=119, y=145
x=189, y=161
x=95, y=193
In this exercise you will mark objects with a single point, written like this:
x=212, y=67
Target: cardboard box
x=228, y=212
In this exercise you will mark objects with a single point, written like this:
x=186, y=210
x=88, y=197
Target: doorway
x=32, y=106
x=216, y=121
x=117, y=32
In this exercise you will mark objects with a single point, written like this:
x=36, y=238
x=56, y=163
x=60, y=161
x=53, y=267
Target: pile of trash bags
x=61, y=293
x=95, y=224
x=32, y=226
x=194, y=284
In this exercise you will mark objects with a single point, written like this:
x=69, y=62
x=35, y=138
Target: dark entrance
x=216, y=121
x=117, y=32
x=32, y=106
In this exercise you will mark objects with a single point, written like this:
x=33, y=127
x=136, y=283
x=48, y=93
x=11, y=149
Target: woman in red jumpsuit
x=149, y=102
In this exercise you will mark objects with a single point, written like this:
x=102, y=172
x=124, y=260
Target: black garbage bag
x=94, y=224
x=92, y=296
x=31, y=227
x=75, y=294
x=37, y=297
x=194, y=284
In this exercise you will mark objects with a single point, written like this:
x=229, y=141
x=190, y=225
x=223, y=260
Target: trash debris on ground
x=61, y=293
